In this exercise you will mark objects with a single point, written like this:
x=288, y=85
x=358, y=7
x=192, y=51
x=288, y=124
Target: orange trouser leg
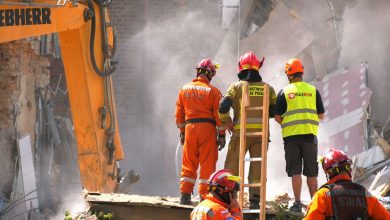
x=208, y=155
x=199, y=147
x=190, y=161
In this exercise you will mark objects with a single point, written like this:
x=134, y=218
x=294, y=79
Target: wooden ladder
x=245, y=107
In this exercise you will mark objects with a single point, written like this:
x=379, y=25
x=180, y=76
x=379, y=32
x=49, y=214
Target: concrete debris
x=372, y=170
x=367, y=159
x=381, y=185
x=138, y=207
x=382, y=143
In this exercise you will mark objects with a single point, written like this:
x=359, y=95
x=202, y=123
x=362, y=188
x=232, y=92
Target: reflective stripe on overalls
x=250, y=123
x=301, y=116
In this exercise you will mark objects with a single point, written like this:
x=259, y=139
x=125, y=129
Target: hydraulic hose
x=103, y=3
x=111, y=69
x=108, y=69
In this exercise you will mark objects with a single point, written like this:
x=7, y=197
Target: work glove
x=182, y=138
x=221, y=141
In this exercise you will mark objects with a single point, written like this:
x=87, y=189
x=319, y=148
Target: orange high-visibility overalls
x=213, y=209
x=197, y=115
x=321, y=207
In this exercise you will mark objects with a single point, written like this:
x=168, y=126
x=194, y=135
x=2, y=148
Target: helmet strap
x=337, y=170
x=223, y=196
x=208, y=74
x=291, y=78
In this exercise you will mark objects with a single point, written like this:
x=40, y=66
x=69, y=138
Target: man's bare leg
x=297, y=186
x=312, y=184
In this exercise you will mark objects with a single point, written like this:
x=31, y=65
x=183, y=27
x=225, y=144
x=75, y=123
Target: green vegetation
x=88, y=215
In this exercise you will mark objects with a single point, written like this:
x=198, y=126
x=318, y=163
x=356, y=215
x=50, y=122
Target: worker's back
x=256, y=93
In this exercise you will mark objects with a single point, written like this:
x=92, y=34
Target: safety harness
x=348, y=201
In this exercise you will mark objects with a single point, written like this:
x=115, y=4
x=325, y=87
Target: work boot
x=296, y=207
x=254, y=203
x=185, y=199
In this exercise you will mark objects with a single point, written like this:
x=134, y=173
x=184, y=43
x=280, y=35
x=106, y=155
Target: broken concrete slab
x=138, y=207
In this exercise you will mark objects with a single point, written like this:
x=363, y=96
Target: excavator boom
x=86, y=49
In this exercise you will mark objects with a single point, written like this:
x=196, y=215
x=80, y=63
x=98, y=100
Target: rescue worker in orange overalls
x=221, y=202
x=248, y=68
x=340, y=198
x=198, y=121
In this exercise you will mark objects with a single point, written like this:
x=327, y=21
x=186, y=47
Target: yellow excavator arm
x=87, y=44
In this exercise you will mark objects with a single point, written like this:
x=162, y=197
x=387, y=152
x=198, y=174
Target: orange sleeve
x=317, y=209
x=376, y=211
x=180, y=113
x=216, y=98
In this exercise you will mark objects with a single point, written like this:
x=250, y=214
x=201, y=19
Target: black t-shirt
x=281, y=108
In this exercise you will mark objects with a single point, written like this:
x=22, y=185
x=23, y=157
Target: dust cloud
x=325, y=35
x=169, y=47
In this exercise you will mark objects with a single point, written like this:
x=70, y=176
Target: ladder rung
x=251, y=211
x=254, y=108
x=254, y=134
x=252, y=185
x=253, y=159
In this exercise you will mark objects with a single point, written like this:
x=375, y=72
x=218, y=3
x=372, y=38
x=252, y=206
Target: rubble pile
x=372, y=170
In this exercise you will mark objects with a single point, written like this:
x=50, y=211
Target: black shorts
x=297, y=152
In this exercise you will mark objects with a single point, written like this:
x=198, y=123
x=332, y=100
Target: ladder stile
x=244, y=104
x=264, y=134
x=264, y=149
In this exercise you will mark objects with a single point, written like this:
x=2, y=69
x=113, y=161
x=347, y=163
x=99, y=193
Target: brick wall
x=159, y=44
x=21, y=72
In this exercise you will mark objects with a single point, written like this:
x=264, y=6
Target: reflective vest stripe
x=222, y=116
x=299, y=122
x=297, y=111
x=188, y=179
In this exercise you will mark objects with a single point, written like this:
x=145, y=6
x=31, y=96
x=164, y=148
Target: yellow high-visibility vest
x=301, y=116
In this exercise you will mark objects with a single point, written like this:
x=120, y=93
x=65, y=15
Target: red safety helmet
x=207, y=65
x=249, y=61
x=334, y=162
x=224, y=180
x=293, y=66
